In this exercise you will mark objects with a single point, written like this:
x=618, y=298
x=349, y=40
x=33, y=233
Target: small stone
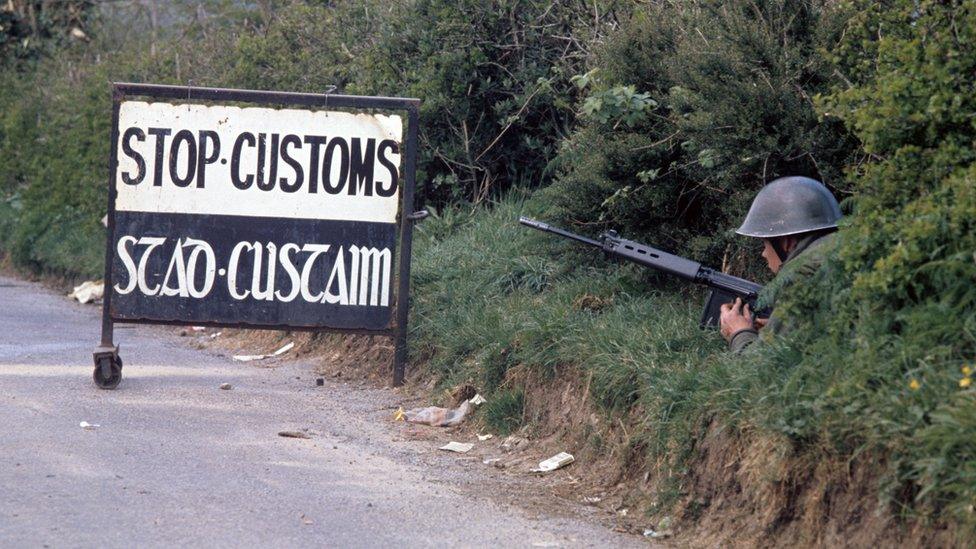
x=293, y=434
x=226, y=386
x=320, y=382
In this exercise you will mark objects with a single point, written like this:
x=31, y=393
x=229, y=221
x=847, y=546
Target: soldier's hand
x=735, y=316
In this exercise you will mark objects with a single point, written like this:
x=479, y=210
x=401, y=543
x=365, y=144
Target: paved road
x=176, y=461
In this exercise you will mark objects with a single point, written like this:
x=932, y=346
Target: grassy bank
x=492, y=295
x=783, y=438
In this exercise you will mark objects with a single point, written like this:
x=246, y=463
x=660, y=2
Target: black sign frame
x=108, y=365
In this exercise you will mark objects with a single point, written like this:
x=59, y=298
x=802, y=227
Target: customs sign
x=258, y=209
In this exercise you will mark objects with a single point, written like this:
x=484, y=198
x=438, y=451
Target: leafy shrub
x=889, y=331
x=30, y=29
x=305, y=48
x=691, y=108
x=909, y=256
x=495, y=82
x=58, y=145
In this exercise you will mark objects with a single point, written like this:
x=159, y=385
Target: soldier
x=795, y=217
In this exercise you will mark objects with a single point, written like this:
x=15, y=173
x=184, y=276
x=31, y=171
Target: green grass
x=504, y=413
x=490, y=294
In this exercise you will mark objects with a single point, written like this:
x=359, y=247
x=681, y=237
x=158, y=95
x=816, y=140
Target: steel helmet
x=791, y=205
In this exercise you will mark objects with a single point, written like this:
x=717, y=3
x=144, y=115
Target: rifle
x=724, y=287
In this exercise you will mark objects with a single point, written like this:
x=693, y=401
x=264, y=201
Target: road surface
x=176, y=461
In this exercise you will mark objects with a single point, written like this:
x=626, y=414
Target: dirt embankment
x=740, y=489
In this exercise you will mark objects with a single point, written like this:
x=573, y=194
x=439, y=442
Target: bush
x=57, y=142
x=692, y=107
x=305, y=48
x=30, y=29
x=909, y=255
x=495, y=82
x=889, y=331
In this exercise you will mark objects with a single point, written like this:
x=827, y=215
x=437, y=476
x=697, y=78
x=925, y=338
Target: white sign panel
x=260, y=162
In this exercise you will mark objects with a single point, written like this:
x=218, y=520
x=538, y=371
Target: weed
x=504, y=412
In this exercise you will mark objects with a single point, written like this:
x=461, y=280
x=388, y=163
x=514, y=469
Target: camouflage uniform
x=800, y=265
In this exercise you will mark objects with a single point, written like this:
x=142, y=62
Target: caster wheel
x=108, y=373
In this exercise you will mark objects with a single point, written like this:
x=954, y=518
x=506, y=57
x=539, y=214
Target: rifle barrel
x=546, y=228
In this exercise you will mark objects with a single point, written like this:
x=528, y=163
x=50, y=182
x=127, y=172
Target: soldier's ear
x=778, y=244
x=789, y=243
x=794, y=242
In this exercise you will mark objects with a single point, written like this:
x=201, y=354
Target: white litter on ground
x=438, y=417
x=557, y=461
x=88, y=292
x=279, y=352
x=459, y=447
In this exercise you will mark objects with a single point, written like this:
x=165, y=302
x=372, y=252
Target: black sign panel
x=253, y=270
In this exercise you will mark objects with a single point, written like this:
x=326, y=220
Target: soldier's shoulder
x=817, y=253
x=826, y=243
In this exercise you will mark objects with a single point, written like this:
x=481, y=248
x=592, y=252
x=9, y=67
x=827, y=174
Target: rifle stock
x=725, y=287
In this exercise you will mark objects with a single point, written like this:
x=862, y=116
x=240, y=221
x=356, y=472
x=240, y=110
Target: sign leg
x=108, y=365
x=407, y=217
x=400, y=357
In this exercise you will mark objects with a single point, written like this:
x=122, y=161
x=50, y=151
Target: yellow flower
x=914, y=385
x=966, y=370
x=965, y=382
